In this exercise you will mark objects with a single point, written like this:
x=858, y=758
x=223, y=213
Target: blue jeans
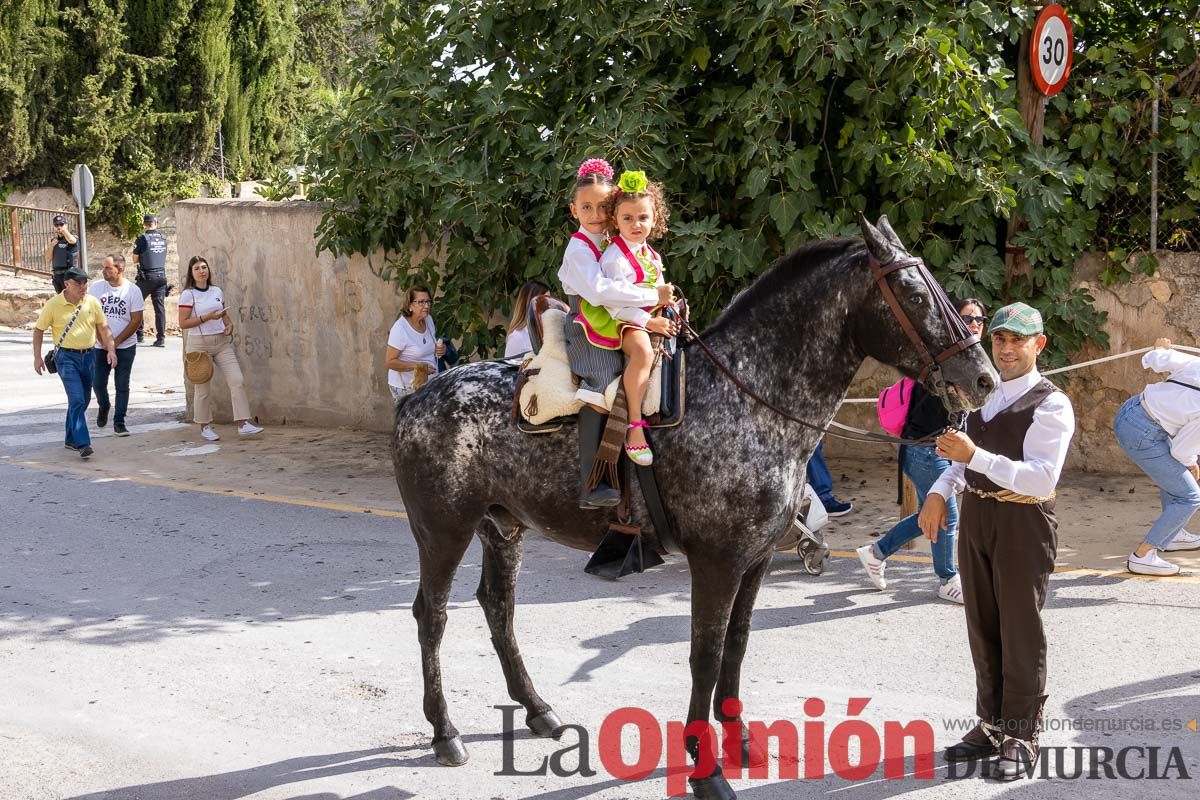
x=1148, y=445
x=819, y=477
x=125, y=358
x=75, y=372
x=923, y=467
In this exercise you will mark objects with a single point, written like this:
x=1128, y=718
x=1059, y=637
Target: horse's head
x=910, y=324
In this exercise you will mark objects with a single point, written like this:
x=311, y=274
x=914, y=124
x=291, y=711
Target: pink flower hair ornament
x=594, y=165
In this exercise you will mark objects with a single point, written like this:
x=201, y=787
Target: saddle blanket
x=549, y=390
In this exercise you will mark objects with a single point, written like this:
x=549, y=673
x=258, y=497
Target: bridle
x=963, y=337
x=932, y=364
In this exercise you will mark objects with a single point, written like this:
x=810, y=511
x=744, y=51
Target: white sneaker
x=952, y=590
x=874, y=566
x=208, y=433
x=1183, y=541
x=1150, y=564
x=249, y=429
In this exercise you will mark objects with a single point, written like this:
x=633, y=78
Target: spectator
x=517, y=342
x=413, y=348
x=1160, y=430
x=122, y=304
x=926, y=415
x=62, y=251
x=150, y=255
x=202, y=311
x=822, y=483
x=75, y=320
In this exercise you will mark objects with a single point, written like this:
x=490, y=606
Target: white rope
x=1093, y=362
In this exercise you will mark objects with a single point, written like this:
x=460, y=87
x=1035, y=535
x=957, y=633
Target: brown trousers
x=1006, y=553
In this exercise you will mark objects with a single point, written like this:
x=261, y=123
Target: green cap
x=1019, y=318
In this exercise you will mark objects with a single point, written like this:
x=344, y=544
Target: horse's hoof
x=451, y=752
x=714, y=788
x=546, y=725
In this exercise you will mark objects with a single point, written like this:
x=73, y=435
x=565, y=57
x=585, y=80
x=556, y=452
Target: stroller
x=805, y=536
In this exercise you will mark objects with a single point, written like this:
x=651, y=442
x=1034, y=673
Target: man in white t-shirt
x=123, y=304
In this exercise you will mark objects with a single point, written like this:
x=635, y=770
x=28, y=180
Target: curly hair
x=657, y=195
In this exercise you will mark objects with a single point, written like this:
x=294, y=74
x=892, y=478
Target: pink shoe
x=640, y=454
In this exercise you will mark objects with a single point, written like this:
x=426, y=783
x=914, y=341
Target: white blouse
x=580, y=275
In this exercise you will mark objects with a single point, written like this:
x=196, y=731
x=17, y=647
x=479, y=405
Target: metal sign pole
x=83, y=262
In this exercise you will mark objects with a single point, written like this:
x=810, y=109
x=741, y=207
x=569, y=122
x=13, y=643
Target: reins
x=933, y=369
x=860, y=435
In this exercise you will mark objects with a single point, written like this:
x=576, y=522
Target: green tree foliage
x=771, y=123
x=138, y=90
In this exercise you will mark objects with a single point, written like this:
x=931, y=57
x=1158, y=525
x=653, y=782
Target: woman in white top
x=413, y=346
x=1160, y=430
x=208, y=329
x=517, y=342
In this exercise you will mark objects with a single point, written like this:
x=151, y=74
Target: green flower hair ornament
x=633, y=181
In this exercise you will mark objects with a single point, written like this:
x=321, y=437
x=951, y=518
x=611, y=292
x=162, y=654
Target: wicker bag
x=198, y=367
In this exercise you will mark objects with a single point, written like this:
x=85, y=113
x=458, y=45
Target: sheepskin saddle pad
x=547, y=391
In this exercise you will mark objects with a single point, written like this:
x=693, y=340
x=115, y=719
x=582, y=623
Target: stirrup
x=639, y=454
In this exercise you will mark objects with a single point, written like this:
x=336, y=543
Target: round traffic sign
x=1050, y=50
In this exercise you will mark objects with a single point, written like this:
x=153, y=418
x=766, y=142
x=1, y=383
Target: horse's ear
x=877, y=243
x=885, y=228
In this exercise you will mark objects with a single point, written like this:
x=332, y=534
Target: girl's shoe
x=249, y=429
x=640, y=454
x=208, y=433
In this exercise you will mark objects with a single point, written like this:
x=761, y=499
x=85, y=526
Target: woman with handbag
x=207, y=346
x=413, y=347
x=925, y=415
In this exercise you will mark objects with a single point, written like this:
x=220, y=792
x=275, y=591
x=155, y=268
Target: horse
x=731, y=476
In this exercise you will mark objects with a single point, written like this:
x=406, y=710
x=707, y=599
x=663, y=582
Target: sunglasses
x=967, y=318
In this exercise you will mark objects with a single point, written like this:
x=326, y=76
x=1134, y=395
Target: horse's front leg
x=715, y=584
x=497, y=596
x=727, y=706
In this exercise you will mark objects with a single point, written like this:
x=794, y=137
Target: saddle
x=545, y=394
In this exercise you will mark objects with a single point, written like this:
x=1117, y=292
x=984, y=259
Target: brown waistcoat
x=1005, y=433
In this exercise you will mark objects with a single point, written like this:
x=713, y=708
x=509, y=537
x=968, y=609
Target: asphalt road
x=157, y=643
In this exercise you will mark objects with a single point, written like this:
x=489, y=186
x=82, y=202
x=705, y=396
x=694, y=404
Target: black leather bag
x=51, y=367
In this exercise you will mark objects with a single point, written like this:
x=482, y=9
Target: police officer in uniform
x=62, y=252
x=1007, y=464
x=150, y=255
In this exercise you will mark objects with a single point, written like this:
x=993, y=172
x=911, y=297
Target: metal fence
x=1149, y=208
x=25, y=233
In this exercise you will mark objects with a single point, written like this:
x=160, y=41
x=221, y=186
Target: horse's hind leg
x=730, y=676
x=497, y=596
x=438, y=564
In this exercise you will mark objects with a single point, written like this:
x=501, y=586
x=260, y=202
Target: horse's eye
x=917, y=300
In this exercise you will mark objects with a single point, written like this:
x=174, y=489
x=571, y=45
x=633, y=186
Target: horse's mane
x=784, y=272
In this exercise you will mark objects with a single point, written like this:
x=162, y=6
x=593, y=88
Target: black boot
x=591, y=428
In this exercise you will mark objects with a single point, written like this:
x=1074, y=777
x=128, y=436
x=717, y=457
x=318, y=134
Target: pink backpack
x=893, y=405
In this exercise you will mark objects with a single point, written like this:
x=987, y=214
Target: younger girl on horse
x=637, y=212
x=589, y=294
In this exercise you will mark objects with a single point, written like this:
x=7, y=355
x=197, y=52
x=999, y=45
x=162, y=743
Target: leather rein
x=964, y=339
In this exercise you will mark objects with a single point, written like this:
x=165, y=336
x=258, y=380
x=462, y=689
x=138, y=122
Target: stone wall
x=310, y=329
x=1138, y=313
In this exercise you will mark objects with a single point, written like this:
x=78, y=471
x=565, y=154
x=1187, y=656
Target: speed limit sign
x=1050, y=50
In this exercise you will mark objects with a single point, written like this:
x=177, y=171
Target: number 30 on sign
x=1050, y=50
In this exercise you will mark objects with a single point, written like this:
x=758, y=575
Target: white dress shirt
x=1044, y=449
x=580, y=274
x=616, y=267
x=1176, y=408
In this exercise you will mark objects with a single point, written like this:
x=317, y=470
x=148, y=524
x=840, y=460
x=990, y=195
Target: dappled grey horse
x=731, y=476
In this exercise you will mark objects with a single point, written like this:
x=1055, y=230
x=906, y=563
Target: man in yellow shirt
x=78, y=314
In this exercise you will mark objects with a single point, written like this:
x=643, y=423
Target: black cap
x=148, y=218
x=76, y=274
x=59, y=219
